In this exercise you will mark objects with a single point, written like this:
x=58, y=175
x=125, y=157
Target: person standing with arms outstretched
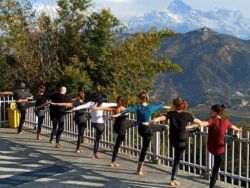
x=40, y=104
x=217, y=128
x=58, y=115
x=22, y=97
x=144, y=112
x=97, y=119
x=121, y=124
x=81, y=116
x=179, y=120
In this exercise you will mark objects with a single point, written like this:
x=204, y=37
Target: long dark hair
x=98, y=99
x=218, y=109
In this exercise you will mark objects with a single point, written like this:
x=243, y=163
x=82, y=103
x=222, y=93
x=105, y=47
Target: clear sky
x=126, y=8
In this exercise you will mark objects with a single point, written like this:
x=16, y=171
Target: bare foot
x=174, y=183
x=141, y=173
x=113, y=164
x=95, y=156
x=59, y=146
x=38, y=137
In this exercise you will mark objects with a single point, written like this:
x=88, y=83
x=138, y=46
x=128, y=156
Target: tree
x=136, y=62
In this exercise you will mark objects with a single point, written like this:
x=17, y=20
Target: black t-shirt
x=178, y=123
x=40, y=100
x=58, y=98
x=81, y=116
x=79, y=112
x=21, y=94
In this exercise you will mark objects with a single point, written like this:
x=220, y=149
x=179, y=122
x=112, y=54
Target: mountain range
x=182, y=18
x=216, y=68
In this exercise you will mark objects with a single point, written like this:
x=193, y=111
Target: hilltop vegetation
x=79, y=48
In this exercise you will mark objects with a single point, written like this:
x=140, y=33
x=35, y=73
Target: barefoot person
x=41, y=103
x=22, y=97
x=81, y=117
x=121, y=124
x=144, y=112
x=97, y=119
x=58, y=115
x=179, y=120
x=218, y=127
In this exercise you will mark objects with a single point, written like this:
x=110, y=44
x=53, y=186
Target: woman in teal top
x=144, y=112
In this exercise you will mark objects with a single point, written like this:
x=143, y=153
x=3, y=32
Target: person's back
x=178, y=124
x=216, y=132
x=23, y=95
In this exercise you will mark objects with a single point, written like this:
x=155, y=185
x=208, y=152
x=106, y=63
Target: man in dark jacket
x=22, y=97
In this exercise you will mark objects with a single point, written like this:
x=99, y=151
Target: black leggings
x=119, y=139
x=40, y=122
x=22, y=119
x=81, y=128
x=57, y=120
x=217, y=163
x=146, y=133
x=178, y=152
x=99, y=128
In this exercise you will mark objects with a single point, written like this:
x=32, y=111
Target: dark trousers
x=119, y=139
x=146, y=133
x=81, y=128
x=57, y=120
x=99, y=128
x=40, y=122
x=178, y=152
x=215, y=171
x=22, y=119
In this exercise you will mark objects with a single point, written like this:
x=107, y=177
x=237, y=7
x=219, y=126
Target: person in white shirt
x=97, y=118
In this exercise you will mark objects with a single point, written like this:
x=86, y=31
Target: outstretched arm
x=129, y=110
x=104, y=108
x=61, y=104
x=6, y=93
x=87, y=105
x=158, y=119
x=201, y=123
x=236, y=128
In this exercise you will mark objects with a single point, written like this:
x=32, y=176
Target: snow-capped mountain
x=50, y=10
x=181, y=17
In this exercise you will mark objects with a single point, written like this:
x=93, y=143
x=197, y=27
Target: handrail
x=196, y=158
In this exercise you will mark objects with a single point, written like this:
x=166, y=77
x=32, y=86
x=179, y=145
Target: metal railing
x=196, y=158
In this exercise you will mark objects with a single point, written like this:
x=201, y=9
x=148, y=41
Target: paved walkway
x=28, y=163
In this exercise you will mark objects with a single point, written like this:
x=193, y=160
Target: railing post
x=156, y=148
x=208, y=161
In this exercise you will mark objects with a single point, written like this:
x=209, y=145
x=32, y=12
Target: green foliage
x=136, y=62
x=79, y=48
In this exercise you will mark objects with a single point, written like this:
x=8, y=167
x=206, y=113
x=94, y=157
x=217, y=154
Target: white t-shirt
x=96, y=115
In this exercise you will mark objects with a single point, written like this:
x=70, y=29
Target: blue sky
x=126, y=8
